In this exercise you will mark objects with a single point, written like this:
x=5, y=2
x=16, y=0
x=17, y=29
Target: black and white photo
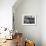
x=29, y=20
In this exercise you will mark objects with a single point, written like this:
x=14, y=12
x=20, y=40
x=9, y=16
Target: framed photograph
x=28, y=20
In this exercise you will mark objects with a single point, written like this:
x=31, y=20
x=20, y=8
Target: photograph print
x=29, y=20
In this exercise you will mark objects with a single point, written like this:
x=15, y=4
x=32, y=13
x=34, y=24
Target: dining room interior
x=22, y=22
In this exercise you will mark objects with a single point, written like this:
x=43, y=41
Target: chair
x=18, y=39
x=29, y=43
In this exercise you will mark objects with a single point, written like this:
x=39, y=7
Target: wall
x=32, y=32
x=6, y=13
x=43, y=22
